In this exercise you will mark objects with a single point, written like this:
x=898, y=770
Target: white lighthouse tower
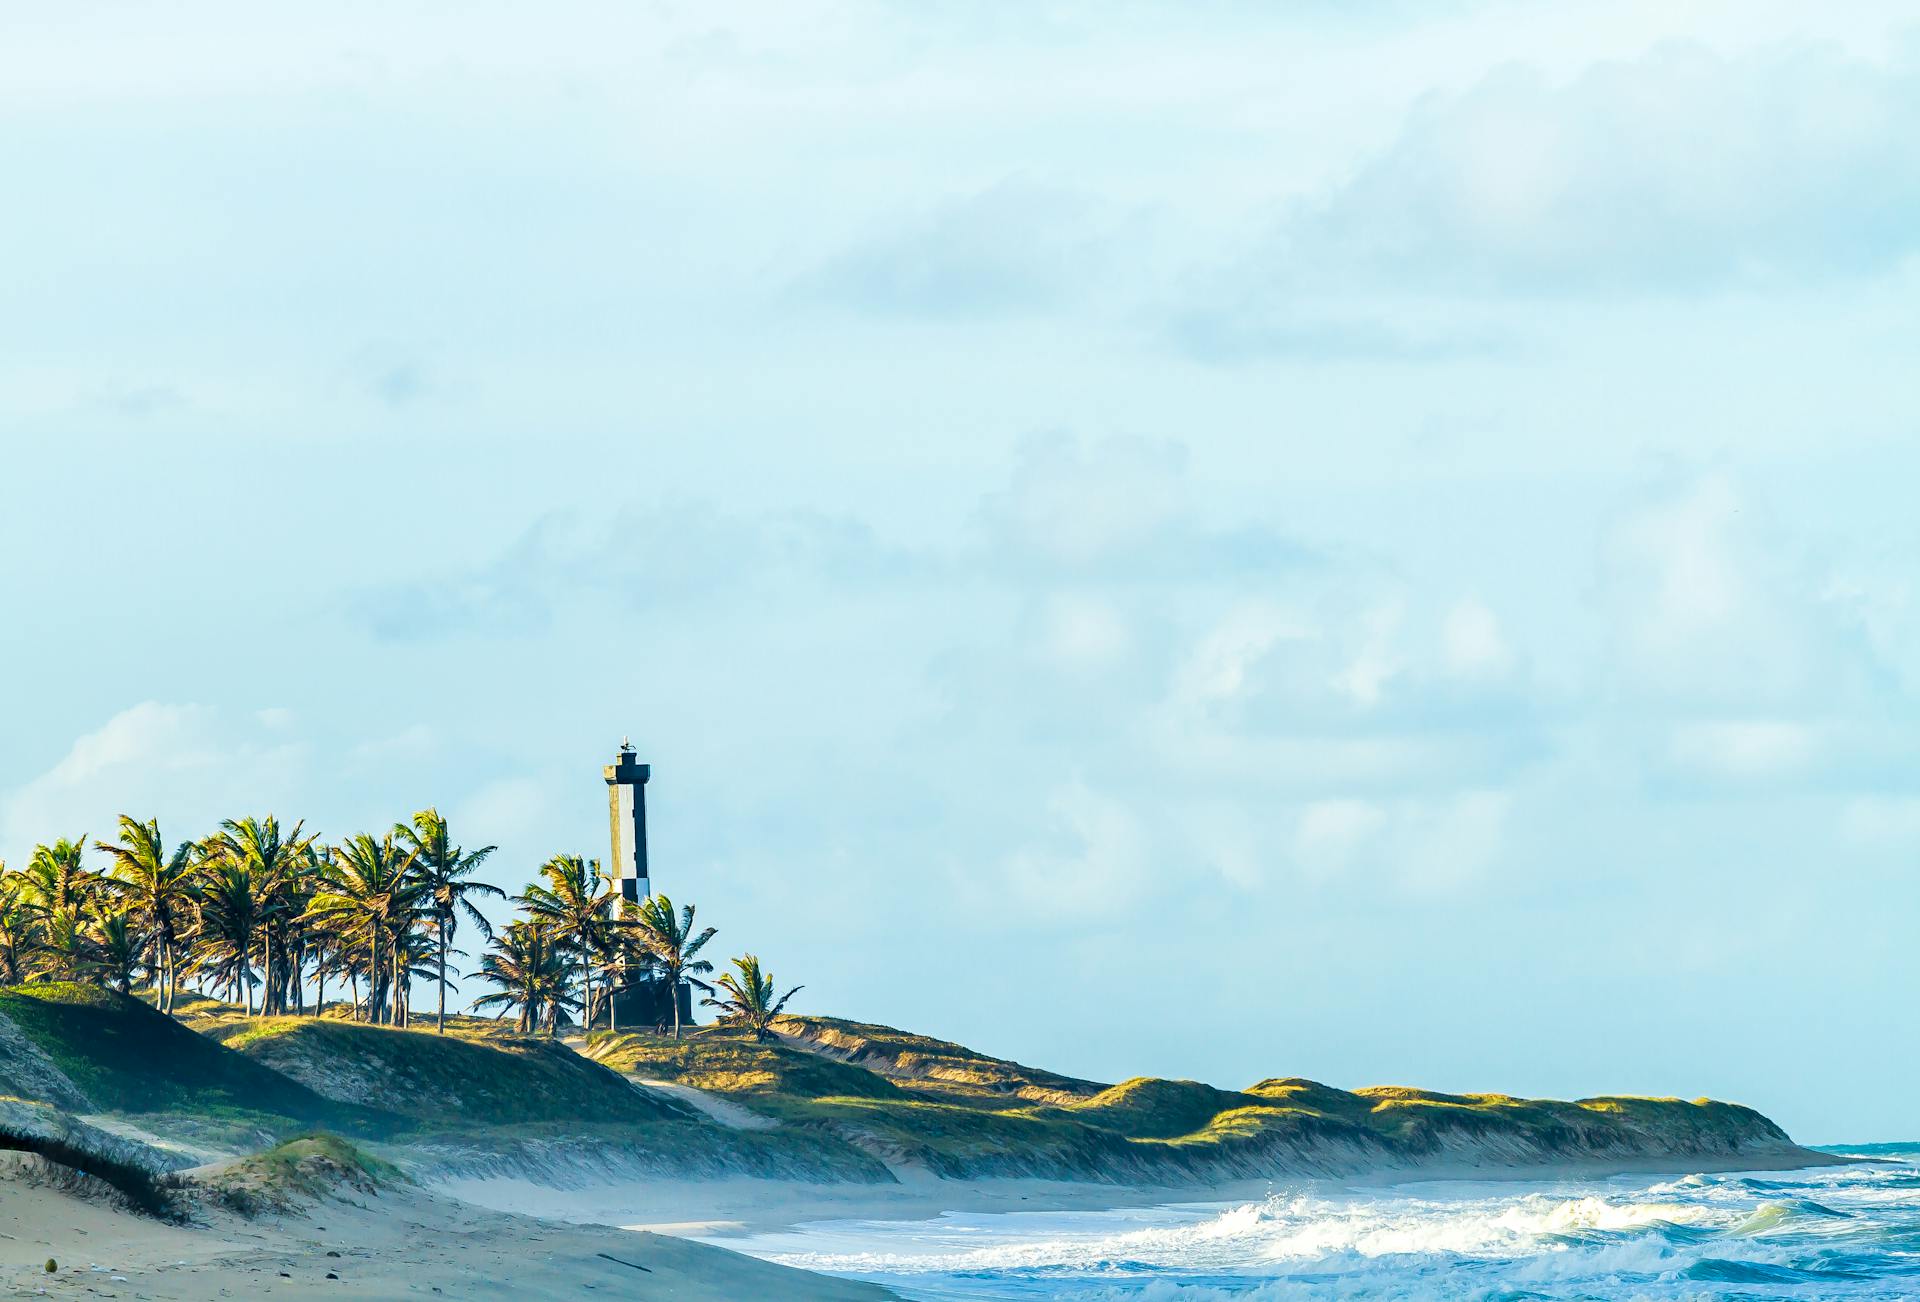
x=627, y=806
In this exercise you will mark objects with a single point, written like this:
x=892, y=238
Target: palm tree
x=231, y=912
x=445, y=869
x=674, y=948
x=532, y=970
x=369, y=891
x=573, y=906
x=623, y=959
x=159, y=888
x=66, y=951
x=57, y=881
x=55, y=892
x=749, y=998
x=116, y=947
x=274, y=863
x=19, y=930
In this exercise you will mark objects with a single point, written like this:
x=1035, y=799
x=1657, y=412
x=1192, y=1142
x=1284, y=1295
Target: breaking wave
x=1832, y=1232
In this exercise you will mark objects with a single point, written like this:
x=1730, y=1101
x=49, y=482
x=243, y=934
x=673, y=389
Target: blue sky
x=1370, y=542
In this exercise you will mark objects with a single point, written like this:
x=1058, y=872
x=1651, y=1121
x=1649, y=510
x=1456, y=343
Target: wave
x=1841, y=1232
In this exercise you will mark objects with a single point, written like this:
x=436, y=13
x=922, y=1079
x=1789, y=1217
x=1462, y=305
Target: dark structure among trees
x=645, y=1001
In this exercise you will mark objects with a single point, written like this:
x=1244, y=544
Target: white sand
x=399, y=1244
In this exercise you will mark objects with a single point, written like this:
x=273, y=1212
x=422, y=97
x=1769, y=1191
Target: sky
x=1372, y=542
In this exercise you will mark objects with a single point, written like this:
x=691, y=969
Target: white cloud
x=1078, y=504
x=190, y=765
x=1674, y=171
x=1745, y=748
x=1375, y=664
x=1221, y=662
x=1329, y=833
x=1703, y=606
x=1093, y=862
x=1472, y=643
x=1083, y=632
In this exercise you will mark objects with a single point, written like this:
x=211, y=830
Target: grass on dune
x=938, y=1068
x=428, y=1077
x=125, y=1057
x=956, y=1112
x=730, y=1062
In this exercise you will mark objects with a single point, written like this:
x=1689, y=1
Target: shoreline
x=736, y=1207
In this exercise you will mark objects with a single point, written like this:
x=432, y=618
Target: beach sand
x=401, y=1243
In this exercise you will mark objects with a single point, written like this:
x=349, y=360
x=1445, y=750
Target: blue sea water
x=1847, y=1232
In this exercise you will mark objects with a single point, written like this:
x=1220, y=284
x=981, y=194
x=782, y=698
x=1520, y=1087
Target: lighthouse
x=627, y=807
x=644, y=1000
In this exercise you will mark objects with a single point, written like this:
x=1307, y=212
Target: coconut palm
x=674, y=947
x=368, y=891
x=274, y=863
x=623, y=959
x=446, y=870
x=574, y=905
x=159, y=887
x=232, y=909
x=66, y=950
x=534, y=974
x=19, y=930
x=56, y=880
x=116, y=949
x=748, y=997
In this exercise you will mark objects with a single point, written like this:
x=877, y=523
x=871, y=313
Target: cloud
x=1745, y=748
x=1679, y=171
x=1012, y=247
x=1120, y=510
x=666, y=556
x=192, y=765
x=1092, y=862
x=1233, y=322
x=1223, y=660
x=1472, y=643
x=1425, y=845
x=1702, y=606
x=1330, y=832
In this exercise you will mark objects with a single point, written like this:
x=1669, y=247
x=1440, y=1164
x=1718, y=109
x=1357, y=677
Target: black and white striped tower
x=627, y=805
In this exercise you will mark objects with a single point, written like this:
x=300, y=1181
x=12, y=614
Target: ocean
x=1846, y=1232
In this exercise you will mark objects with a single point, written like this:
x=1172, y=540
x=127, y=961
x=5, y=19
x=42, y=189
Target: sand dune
x=396, y=1244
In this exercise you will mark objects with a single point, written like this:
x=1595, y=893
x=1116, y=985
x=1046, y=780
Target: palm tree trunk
x=586, y=982
x=673, y=997
x=440, y=1017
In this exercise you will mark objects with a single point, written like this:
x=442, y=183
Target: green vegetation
x=482, y=1082
x=125, y=1057
x=256, y=914
x=675, y=947
x=920, y=1102
x=746, y=999
x=729, y=1062
x=951, y=1072
x=308, y=1166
